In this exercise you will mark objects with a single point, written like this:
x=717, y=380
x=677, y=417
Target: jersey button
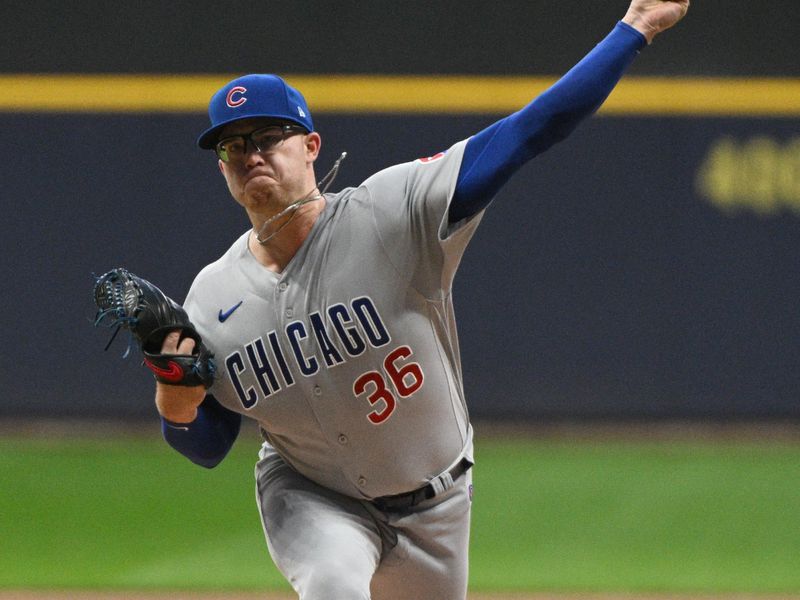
x=282, y=286
x=342, y=439
x=317, y=390
x=289, y=312
x=362, y=481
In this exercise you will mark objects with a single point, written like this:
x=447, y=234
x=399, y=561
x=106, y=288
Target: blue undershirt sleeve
x=206, y=440
x=493, y=155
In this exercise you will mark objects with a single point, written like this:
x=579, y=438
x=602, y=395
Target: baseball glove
x=126, y=301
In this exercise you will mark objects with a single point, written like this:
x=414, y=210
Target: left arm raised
x=493, y=155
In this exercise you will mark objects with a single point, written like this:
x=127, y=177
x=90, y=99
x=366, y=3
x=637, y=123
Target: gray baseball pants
x=333, y=547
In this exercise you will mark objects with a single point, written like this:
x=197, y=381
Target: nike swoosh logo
x=223, y=316
x=175, y=427
x=173, y=372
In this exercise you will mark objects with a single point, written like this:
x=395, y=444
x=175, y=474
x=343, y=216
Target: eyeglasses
x=234, y=148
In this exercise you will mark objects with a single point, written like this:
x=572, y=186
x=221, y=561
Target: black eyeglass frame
x=286, y=130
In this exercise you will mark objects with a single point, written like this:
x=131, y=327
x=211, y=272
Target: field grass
x=555, y=515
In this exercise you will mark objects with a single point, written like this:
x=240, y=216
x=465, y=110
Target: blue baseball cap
x=254, y=96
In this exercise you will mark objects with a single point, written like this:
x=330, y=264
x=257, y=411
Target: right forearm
x=178, y=403
x=207, y=439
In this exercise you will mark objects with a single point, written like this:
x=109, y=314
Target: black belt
x=409, y=499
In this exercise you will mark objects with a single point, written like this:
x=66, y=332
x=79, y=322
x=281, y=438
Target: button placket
x=288, y=312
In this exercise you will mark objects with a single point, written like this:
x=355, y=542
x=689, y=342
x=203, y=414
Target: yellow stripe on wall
x=647, y=96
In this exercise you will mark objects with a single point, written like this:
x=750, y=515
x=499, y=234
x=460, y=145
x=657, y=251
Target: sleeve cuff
x=633, y=31
x=178, y=426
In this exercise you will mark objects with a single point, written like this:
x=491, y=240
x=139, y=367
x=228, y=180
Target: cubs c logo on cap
x=237, y=91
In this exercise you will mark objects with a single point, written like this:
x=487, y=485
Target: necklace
x=323, y=183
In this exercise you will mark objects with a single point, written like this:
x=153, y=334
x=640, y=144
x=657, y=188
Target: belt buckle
x=411, y=499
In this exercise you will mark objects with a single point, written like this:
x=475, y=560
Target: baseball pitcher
x=330, y=323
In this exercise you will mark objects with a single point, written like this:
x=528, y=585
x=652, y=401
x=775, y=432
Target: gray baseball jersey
x=349, y=358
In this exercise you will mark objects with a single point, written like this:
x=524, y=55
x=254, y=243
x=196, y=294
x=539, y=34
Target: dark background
x=720, y=37
x=601, y=284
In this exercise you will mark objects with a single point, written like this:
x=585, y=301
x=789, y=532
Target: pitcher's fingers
x=186, y=346
x=170, y=345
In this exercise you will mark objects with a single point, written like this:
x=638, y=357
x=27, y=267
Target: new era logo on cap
x=253, y=96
